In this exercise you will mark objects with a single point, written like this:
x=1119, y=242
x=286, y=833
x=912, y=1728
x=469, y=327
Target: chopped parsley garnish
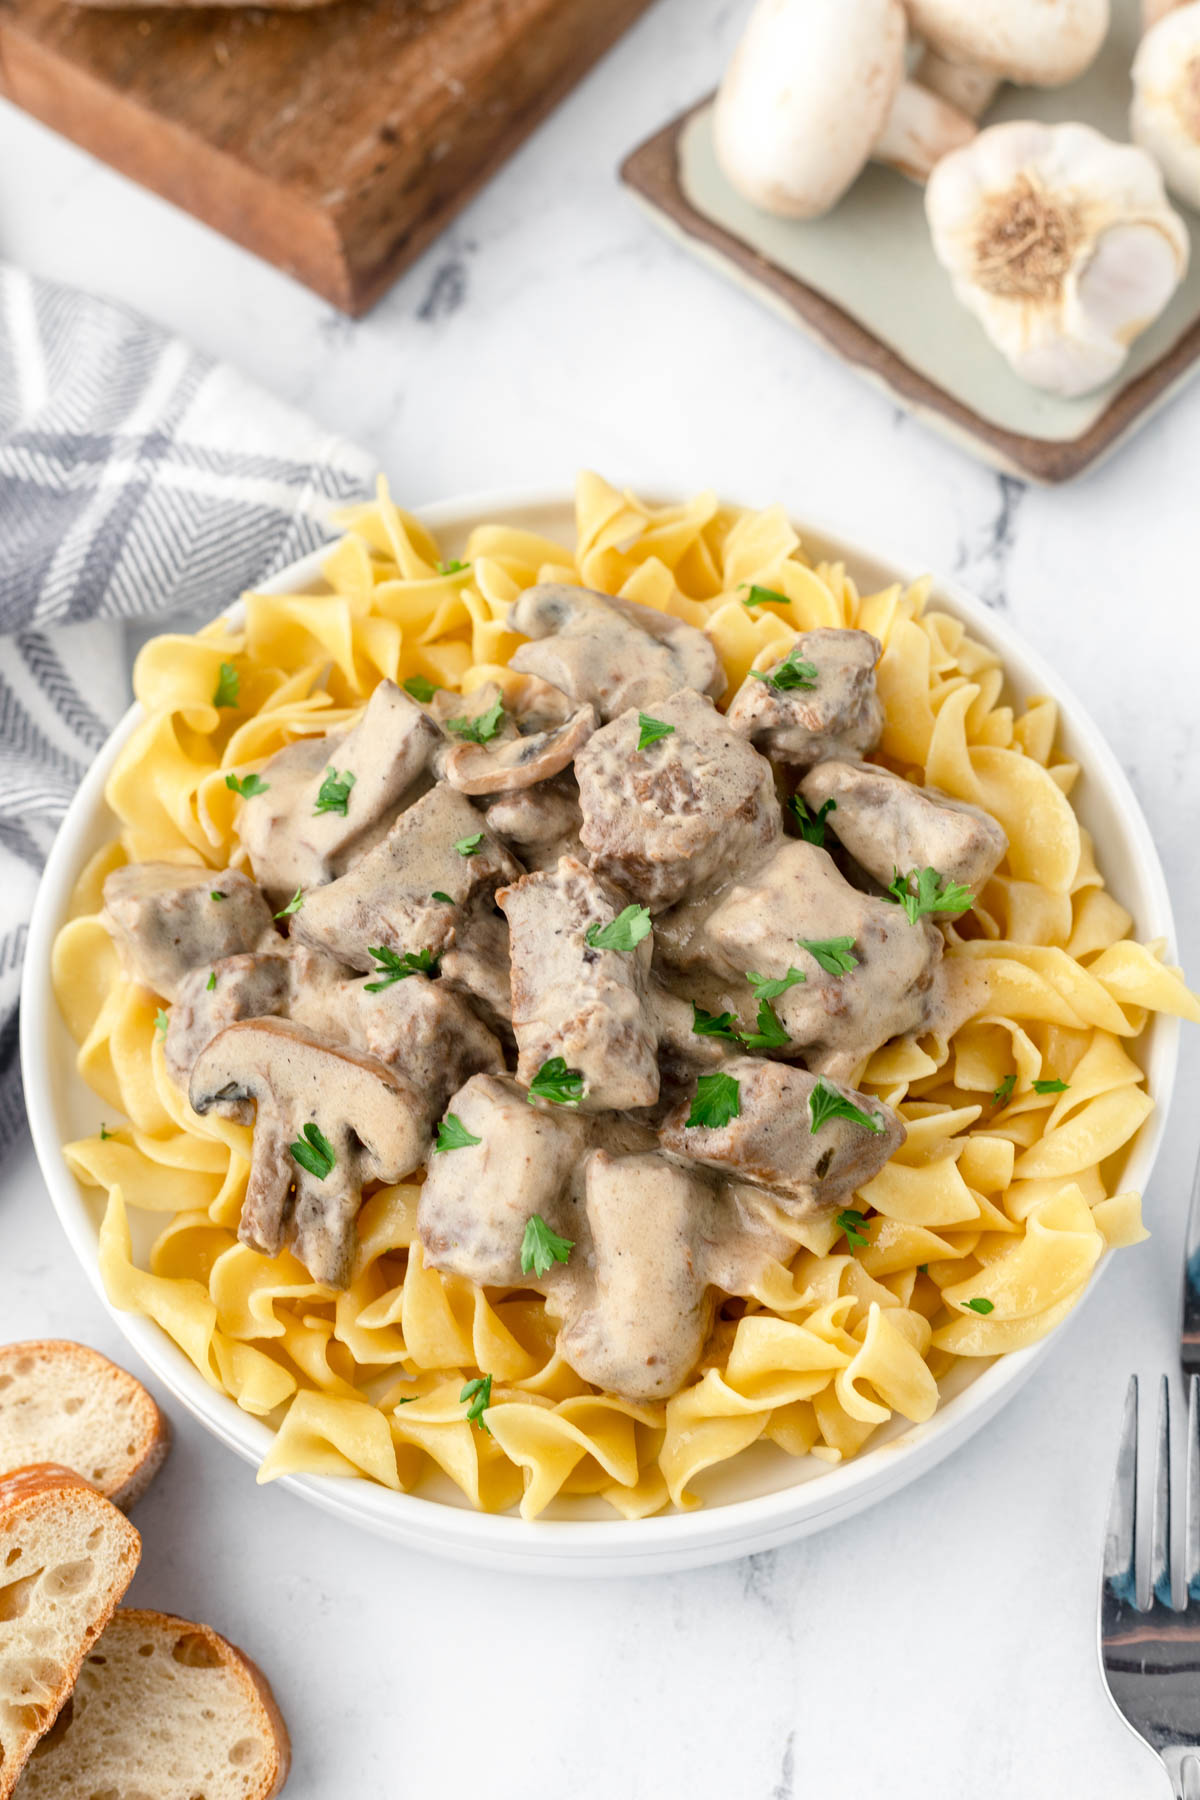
x=554, y=1081
x=334, y=795
x=852, y=1222
x=452, y=1134
x=218, y=895
x=932, y=894
x=812, y=825
x=247, y=787
x=769, y=987
x=922, y=1268
x=293, y=905
x=625, y=932
x=211, y=983
x=314, y=1152
x=481, y=729
x=763, y=596
x=826, y=1103
x=981, y=1306
x=420, y=688
x=652, y=730
x=161, y=1022
x=1051, y=1087
x=718, y=1099
x=1004, y=1093
x=541, y=1248
x=479, y=1393
x=468, y=846
x=228, y=682
x=393, y=965
x=718, y=1025
x=437, y=894
x=835, y=955
x=792, y=672
x=105, y=1133
x=769, y=1034
x=454, y=567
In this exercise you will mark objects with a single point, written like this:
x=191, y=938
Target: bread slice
x=66, y=1557
x=66, y=1404
x=163, y=1710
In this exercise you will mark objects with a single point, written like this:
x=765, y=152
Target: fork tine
x=1160, y=1549
x=1120, y=1544
x=1191, y=1542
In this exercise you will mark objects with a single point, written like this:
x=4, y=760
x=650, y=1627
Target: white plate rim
x=674, y=1540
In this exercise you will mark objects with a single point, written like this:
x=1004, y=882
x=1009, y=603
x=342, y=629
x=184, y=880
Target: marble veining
x=943, y=1642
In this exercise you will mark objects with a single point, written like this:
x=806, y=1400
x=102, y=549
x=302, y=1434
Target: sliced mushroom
x=607, y=652
x=294, y=841
x=374, y=1124
x=167, y=918
x=514, y=761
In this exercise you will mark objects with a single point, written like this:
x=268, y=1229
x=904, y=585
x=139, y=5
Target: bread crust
x=153, y=1427
x=41, y=1488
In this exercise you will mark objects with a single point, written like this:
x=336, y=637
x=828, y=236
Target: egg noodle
x=980, y=1233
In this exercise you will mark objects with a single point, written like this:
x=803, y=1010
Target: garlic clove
x=1165, y=116
x=1061, y=243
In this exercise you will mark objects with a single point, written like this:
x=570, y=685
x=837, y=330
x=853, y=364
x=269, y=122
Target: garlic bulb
x=1061, y=243
x=1165, y=117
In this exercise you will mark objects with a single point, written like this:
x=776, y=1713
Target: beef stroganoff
x=583, y=1012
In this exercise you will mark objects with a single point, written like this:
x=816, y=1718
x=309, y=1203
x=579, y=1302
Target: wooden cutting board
x=335, y=142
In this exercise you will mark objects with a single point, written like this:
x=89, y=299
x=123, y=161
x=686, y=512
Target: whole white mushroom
x=1061, y=242
x=1165, y=116
x=974, y=45
x=815, y=89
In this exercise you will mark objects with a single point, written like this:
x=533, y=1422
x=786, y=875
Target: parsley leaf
x=228, y=682
x=852, y=1222
x=314, y=1152
x=211, y=983
x=1004, y=1093
x=217, y=895
x=625, y=932
x=792, y=672
x=835, y=955
x=394, y=965
x=293, y=905
x=437, y=894
x=479, y=1393
x=452, y=1134
x=769, y=987
x=480, y=730
x=420, y=688
x=334, y=795
x=981, y=1306
x=763, y=596
x=826, y=1103
x=453, y=568
x=770, y=1034
x=1051, y=1087
x=469, y=846
x=652, y=730
x=718, y=1099
x=161, y=1022
x=541, y=1247
x=105, y=1133
x=554, y=1081
x=812, y=825
x=932, y=894
x=719, y=1025
x=248, y=786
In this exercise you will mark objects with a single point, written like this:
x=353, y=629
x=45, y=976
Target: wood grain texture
x=652, y=171
x=335, y=142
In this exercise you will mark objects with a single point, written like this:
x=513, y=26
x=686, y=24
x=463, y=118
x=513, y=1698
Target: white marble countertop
x=943, y=1642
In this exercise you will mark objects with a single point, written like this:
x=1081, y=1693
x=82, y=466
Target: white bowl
x=761, y=1498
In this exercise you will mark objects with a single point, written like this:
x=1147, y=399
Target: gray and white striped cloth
x=138, y=479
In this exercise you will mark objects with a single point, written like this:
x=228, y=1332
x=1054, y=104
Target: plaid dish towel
x=138, y=479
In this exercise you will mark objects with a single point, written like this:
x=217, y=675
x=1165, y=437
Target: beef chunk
x=839, y=715
x=890, y=826
x=164, y=920
x=609, y=653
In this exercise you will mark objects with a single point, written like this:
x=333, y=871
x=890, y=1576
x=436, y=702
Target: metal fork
x=1149, y=1647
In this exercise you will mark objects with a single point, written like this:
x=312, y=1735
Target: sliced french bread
x=66, y=1557
x=63, y=1403
x=163, y=1710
